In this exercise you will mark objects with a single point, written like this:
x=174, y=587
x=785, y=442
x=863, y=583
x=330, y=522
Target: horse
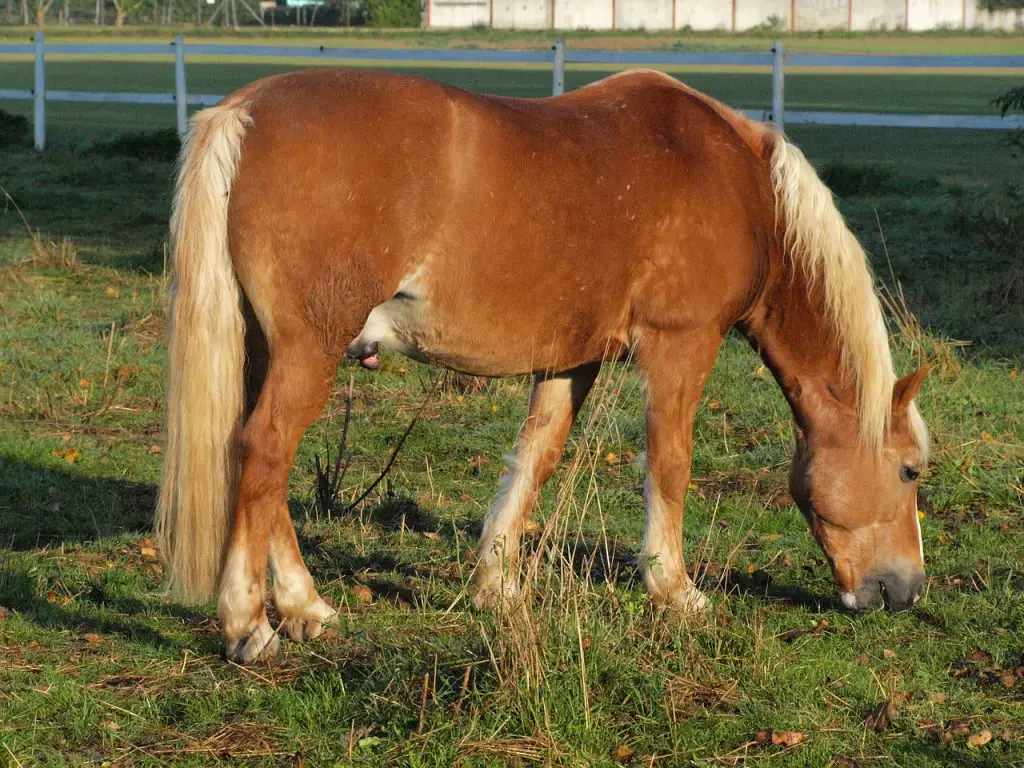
x=324, y=214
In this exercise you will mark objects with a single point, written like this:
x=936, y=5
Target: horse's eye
x=909, y=474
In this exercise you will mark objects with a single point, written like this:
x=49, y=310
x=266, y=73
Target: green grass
x=97, y=666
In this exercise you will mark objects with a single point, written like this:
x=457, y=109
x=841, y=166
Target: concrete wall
x=646, y=14
x=583, y=14
x=822, y=14
x=870, y=15
x=932, y=14
x=753, y=13
x=721, y=14
x=522, y=14
x=459, y=13
x=704, y=14
x=981, y=19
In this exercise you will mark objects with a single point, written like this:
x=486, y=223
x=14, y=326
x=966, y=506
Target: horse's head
x=861, y=503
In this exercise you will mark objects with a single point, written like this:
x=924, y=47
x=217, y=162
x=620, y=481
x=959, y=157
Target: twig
x=394, y=454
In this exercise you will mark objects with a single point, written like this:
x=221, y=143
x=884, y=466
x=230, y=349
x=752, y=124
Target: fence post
x=39, y=95
x=778, y=85
x=558, y=86
x=180, y=91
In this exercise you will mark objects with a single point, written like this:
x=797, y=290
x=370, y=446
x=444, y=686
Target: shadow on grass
x=43, y=506
x=101, y=613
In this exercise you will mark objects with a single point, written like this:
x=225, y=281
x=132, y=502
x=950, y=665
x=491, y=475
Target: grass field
x=96, y=666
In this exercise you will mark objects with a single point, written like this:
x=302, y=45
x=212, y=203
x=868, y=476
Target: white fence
x=559, y=56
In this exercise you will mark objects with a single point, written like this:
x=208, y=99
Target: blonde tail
x=204, y=362
x=816, y=237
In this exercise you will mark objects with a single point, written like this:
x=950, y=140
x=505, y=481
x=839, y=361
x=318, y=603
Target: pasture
x=96, y=666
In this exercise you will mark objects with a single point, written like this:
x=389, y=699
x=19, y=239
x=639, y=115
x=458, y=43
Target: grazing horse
x=330, y=213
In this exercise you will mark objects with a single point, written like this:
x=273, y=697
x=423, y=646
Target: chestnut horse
x=325, y=213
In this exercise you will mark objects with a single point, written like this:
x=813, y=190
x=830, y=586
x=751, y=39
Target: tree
x=1013, y=101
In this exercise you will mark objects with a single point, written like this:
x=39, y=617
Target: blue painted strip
x=375, y=54
x=16, y=94
x=89, y=49
x=108, y=97
x=839, y=61
x=925, y=62
x=648, y=57
x=878, y=119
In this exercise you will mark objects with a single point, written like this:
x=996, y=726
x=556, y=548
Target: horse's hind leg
x=676, y=366
x=296, y=386
x=555, y=401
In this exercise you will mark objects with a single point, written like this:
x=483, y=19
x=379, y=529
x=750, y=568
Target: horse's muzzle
x=898, y=589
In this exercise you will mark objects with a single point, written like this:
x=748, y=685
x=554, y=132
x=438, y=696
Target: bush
x=14, y=131
x=1013, y=101
x=154, y=145
x=393, y=13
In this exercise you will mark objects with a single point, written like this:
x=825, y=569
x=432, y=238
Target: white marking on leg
x=500, y=538
x=849, y=600
x=237, y=602
x=662, y=557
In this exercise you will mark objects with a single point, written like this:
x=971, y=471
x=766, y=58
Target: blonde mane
x=817, y=238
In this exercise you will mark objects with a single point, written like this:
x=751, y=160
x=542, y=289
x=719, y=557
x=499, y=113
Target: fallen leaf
x=1006, y=735
x=92, y=639
x=362, y=594
x=83, y=383
x=531, y=526
x=622, y=753
x=956, y=728
x=889, y=653
x=977, y=657
x=611, y=458
x=980, y=739
x=5, y=613
x=881, y=717
x=109, y=725
x=51, y=596
x=714, y=405
x=153, y=449
x=939, y=698
x=760, y=371
x=987, y=437
x=112, y=292
x=764, y=738
x=148, y=552
x=1008, y=680
x=787, y=738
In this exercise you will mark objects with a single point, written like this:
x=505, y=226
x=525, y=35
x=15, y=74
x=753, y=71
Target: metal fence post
x=558, y=86
x=778, y=85
x=180, y=91
x=39, y=95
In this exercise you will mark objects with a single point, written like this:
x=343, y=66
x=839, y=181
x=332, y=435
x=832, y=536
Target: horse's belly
x=475, y=334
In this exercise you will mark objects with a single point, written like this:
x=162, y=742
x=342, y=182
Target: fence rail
x=558, y=57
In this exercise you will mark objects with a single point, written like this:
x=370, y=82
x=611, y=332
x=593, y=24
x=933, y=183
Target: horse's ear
x=906, y=389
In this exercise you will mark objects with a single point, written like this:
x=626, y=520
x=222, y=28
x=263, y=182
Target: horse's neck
x=790, y=331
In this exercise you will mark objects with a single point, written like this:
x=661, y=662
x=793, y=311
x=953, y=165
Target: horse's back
x=499, y=235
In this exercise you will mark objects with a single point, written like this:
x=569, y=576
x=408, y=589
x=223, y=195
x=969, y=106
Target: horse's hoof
x=260, y=644
x=688, y=603
x=311, y=623
x=494, y=593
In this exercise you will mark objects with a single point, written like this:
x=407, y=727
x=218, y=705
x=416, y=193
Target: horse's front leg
x=676, y=367
x=555, y=401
